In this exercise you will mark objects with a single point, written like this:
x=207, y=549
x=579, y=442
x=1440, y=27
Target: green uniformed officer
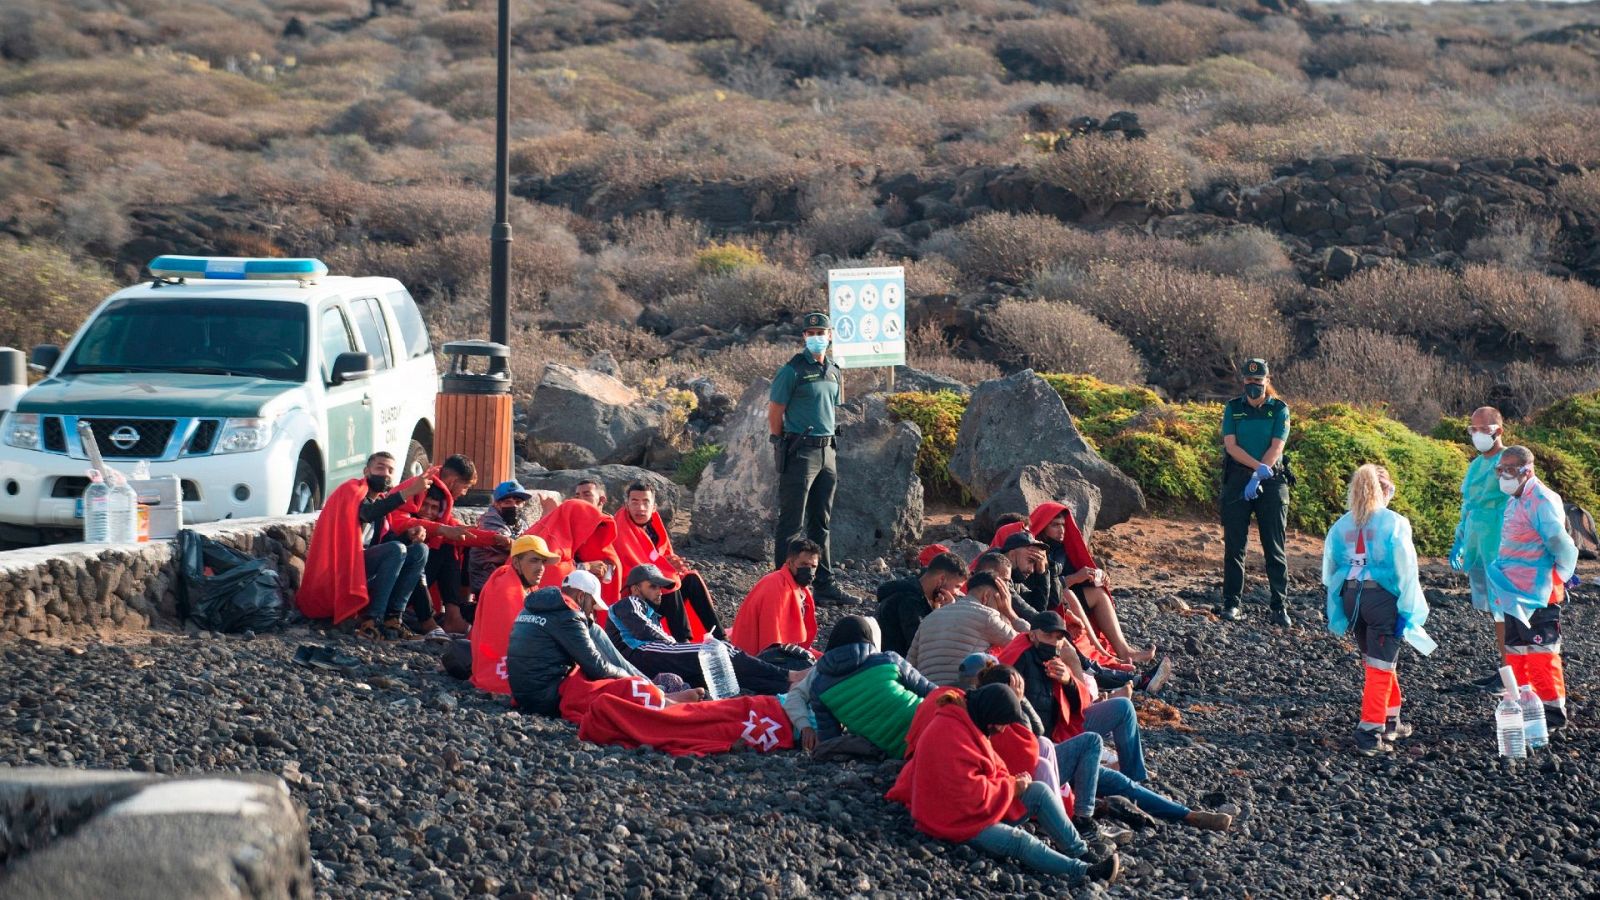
x=800, y=421
x=1255, y=427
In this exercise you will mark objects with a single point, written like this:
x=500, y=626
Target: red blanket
x=334, y=585
x=955, y=785
x=778, y=611
x=689, y=729
x=579, y=532
x=578, y=694
x=634, y=548
x=1069, y=716
x=499, y=604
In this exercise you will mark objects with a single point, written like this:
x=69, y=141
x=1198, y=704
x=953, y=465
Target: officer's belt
x=802, y=440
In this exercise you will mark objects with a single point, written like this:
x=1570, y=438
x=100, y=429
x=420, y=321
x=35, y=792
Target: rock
x=604, y=363
x=878, y=507
x=1039, y=483
x=669, y=495
x=907, y=378
x=593, y=411
x=1020, y=420
x=968, y=549
x=1339, y=263
x=736, y=504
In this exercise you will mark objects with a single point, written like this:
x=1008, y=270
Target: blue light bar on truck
x=237, y=268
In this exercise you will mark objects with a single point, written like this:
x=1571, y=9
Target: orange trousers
x=1380, y=697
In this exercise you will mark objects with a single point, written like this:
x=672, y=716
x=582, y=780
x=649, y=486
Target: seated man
x=780, y=608
x=981, y=621
x=1088, y=594
x=634, y=625
x=351, y=568
x=1059, y=691
x=856, y=687
x=581, y=537
x=905, y=602
x=448, y=543
x=642, y=539
x=592, y=491
x=503, y=597
x=1030, y=593
x=504, y=516
x=553, y=640
x=957, y=788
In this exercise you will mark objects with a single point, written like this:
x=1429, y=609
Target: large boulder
x=878, y=508
x=1019, y=420
x=579, y=417
x=1039, y=483
x=670, y=496
x=736, y=504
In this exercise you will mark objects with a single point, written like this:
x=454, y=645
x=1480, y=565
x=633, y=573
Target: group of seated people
x=999, y=683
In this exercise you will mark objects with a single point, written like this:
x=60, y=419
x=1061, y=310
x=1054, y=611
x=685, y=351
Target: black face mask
x=805, y=575
x=1254, y=391
x=377, y=484
x=1046, y=651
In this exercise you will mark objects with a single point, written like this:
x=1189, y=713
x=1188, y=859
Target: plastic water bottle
x=1533, y=726
x=96, y=526
x=717, y=667
x=1508, y=719
x=121, y=512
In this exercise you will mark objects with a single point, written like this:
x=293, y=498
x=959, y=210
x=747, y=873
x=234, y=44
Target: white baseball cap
x=583, y=580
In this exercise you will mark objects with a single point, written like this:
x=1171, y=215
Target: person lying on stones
x=980, y=621
x=857, y=687
x=448, y=544
x=501, y=600
x=351, y=567
x=1078, y=765
x=634, y=626
x=555, y=639
x=1087, y=597
x=780, y=609
x=905, y=602
x=1057, y=687
x=642, y=539
x=505, y=516
x=957, y=788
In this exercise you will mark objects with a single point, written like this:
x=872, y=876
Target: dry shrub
x=591, y=297
x=1276, y=104
x=1060, y=337
x=879, y=32
x=1002, y=246
x=1535, y=309
x=709, y=20
x=553, y=154
x=807, y=52
x=1103, y=171
x=1581, y=194
x=1366, y=367
x=747, y=297
x=845, y=230
x=1189, y=324
x=1538, y=386
x=1252, y=254
x=949, y=365
x=958, y=61
x=1171, y=34
x=735, y=368
x=625, y=342
x=1516, y=242
x=467, y=32
x=1056, y=49
x=1222, y=76
x=45, y=293
x=1346, y=50
x=1414, y=300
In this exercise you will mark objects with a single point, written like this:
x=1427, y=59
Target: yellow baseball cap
x=532, y=543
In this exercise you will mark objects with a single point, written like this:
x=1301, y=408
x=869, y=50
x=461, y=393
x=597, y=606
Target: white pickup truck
x=260, y=383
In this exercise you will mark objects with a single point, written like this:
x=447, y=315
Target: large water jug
x=122, y=512
x=96, y=525
x=1533, y=726
x=716, y=664
x=1508, y=719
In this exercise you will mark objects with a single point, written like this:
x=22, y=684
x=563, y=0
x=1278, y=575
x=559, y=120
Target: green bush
x=939, y=417
x=693, y=464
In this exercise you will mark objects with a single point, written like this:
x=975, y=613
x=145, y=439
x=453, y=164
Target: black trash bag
x=240, y=593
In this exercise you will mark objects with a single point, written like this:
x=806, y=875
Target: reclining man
x=857, y=687
x=905, y=602
x=634, y=625
x=351, y=567
x=642, y=539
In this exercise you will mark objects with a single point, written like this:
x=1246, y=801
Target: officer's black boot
x=1280, y=617
x=1229, y=610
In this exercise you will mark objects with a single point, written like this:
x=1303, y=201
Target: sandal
x=369, y=629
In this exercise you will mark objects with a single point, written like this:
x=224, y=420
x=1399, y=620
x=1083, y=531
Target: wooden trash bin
x=473, y=411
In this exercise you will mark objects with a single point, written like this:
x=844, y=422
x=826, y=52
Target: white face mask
x=1484, y=442
x=1509, y=486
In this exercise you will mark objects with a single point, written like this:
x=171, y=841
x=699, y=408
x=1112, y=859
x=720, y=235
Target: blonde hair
x=1366, y=492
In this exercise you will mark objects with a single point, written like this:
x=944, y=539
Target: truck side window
x=334, y=335
x=374, y=337
x=413, y=331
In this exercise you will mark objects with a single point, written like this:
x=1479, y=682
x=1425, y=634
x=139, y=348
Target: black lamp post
x=500, y=236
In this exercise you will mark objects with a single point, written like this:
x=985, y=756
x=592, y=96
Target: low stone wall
x=72, y=590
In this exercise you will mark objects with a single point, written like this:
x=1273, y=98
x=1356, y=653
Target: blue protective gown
x=1535, y=550
x=1391, y=564
x=1478, y=532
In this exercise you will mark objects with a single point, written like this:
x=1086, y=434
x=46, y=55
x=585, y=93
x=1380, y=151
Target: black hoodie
x=549, y=639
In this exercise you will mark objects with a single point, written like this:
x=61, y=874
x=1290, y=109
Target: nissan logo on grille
x=125, y=437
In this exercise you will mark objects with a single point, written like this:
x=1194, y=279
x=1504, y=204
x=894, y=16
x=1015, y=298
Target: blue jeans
x=1078, y=762
x=393, y=571
x=1115, y=784
x=1009, y=842
x=1117, y=720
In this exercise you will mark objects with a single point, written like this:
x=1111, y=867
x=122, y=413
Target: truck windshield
x=259, y=338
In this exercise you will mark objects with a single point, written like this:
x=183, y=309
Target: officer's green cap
x=819, y=320
x=1256, y=368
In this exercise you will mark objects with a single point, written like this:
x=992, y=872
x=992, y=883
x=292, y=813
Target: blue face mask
x=816, y=344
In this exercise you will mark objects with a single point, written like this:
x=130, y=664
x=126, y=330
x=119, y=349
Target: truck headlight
x=24, y=430
x=245, y=435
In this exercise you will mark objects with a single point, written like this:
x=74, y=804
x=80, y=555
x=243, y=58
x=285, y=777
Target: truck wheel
x=416, y=461
x=306, y=495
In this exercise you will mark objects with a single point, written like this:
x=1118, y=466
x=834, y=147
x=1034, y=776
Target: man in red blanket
x=448, y=542
x=957, y=788
x=780, y=608
x=499, y=602
x=581, y=537
x=1088, y=594
x=642, y=539
x=351, y=566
